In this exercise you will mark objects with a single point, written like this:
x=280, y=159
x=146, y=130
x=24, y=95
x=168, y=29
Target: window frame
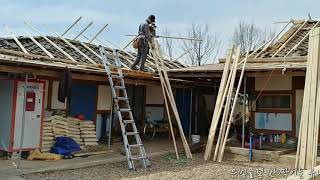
x=274, y=109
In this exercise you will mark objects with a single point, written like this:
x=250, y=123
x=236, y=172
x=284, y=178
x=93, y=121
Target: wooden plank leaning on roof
x=168, y=93
x=217, y=110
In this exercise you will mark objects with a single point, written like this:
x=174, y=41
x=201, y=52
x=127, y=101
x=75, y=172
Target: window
x=274, y=101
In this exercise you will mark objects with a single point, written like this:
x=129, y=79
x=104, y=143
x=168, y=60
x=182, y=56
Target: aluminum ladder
x=122, y=108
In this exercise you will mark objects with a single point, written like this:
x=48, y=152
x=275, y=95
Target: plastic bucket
x=195, y=139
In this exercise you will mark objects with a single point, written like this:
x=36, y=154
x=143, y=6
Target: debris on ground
x=161, y=169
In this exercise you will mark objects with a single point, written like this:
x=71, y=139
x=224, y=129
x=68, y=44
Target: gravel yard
x=166, y=167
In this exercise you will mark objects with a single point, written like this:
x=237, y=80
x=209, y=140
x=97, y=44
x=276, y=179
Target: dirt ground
x=167, y=167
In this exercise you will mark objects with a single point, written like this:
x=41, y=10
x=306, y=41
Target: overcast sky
x=124, y=17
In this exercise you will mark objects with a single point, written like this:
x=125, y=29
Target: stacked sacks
x=47, y=134
x=74, y=130
x=88, y=133
x=83, y=132
x=60, y=126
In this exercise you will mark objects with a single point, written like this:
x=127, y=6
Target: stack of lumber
x=88, y=133
x=226, y=101
x=47, y=135
x=310, y=116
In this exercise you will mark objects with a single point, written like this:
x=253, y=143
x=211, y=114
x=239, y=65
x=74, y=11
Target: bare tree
x=167, y=47
x=249, y=36
x=201, y=52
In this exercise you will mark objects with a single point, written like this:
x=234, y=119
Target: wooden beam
x=71, y=45
x=16, y=40
x=50, y=42
x=231, y=116
x=168, y=89
x=82, y=31
x=288, y=40
x=301, y=41
x=272, y=40
x=227, y=105
x=40, y=46
x=99, y=32
x=219, y=101
x=71, y=26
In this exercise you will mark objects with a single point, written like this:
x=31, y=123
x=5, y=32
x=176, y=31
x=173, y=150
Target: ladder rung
x=128, y=121
x=122, y=98
x=125, y=110
x=119, y=87
x=132, y=133
x=140, y=157
x=135, y=145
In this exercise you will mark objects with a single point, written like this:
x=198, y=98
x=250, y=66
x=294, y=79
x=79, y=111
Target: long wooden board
x=217, y=109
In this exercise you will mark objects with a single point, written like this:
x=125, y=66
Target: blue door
x=83, y=100
x=183, y=100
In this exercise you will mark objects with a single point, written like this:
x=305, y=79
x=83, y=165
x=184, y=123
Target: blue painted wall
x=83, y=100
x=183, y=100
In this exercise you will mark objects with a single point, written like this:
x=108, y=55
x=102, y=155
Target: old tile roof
x=288, y=51
x=295, y=40
x=126, y=58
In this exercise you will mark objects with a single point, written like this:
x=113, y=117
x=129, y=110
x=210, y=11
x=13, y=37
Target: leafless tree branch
x=202, y=52
x=167, y=47
x=249, y=36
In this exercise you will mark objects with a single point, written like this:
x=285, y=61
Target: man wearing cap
x=144, y=38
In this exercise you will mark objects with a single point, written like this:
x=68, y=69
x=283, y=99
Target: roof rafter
x=301, y=41
x=272, y=40
x=16, y=40
x=71, y=26
x=49, y=41
x=71, y=45
x=288, y=40
x=39, y=45
x=83, y=30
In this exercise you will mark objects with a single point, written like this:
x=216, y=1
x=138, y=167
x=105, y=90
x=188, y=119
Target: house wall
x=280, y=120
x=104, y=98
x=155, y=109
x=275, y=120
x=55, y=104
x=154, y=95
x=274, y=84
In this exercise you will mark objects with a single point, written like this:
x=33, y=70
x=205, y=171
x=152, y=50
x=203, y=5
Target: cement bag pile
x=88, y=133
x=47, y=135
x=83, y=132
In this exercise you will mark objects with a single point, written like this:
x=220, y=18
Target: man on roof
x=145, y=35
